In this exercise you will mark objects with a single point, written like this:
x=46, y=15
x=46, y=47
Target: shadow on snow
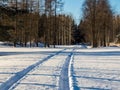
x=108, y=53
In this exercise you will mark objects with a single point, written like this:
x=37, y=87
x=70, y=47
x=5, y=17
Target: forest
x=42, y=21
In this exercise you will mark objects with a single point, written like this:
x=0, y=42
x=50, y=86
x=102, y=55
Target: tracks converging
x=64, y=79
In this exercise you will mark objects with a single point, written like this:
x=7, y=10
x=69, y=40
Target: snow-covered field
x=97, y=69
x=64, y=68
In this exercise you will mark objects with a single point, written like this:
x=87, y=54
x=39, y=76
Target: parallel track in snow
x=65, y=82
x=19, y=75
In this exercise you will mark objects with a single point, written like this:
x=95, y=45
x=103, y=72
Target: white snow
x=13, y=60
x=71, y=86
x=88, y=69
x=97, y=69
x=45, y=76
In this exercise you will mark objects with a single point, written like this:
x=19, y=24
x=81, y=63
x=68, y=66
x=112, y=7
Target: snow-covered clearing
x=97, y=69
x=64, y=68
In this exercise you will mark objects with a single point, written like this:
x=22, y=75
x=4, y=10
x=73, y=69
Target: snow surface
x=97, y=69
x=63, y=68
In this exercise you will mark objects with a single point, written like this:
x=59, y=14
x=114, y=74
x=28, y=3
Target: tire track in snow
x=72, y=79
x=9, y=83
x=65, y=82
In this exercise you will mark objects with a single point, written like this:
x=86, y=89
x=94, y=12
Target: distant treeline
x=37, y=21
x=99, y=24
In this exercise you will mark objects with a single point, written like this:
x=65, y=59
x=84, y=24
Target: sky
x=74, y=7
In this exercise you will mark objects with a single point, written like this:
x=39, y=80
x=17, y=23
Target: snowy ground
x=97, y=69
x=64, y=68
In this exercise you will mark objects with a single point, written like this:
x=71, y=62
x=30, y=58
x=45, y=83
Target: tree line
x=34, y=21
x=99, y=25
